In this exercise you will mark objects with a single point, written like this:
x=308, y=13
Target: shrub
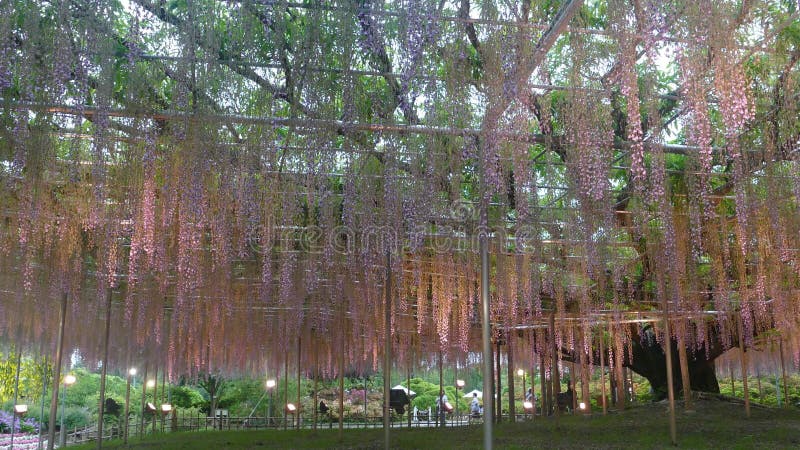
x=28, y=425
x=185, y=397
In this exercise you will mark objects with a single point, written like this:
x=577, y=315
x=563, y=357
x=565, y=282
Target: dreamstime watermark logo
x=456, y=232
x=463, y=211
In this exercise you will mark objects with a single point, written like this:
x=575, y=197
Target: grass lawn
x=714, y=424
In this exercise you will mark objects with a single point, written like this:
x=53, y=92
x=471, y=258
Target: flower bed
x=21, y=441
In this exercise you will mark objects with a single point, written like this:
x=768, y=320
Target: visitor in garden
x=529, y=395
x=475, y=405
x=441, y=407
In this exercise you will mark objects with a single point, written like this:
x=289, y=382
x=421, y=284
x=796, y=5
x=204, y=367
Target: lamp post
x=166, y=409
x=19, y=410
x=271, y=388
x=69, y=380
x=151, y=384
x=459, y=385
x=521, y=373
x=289, y=409
x=131, y=374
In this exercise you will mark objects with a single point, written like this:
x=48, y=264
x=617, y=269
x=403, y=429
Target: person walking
x=441, y=407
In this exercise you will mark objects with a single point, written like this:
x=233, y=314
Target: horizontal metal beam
x=307, y=125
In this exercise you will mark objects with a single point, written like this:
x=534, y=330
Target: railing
x=187, y=423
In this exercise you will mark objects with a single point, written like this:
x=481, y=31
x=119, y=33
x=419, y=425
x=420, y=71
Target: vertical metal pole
x=744, y=367
x=510, y=373
x=341, y=374
x=498, y=387
x=533, y=384
x=554, y=375
x=673, y=433
x=164, y=390
x=758, y=382
x=366, y=423
x=545, y=407
x=127, y=404
x=103, y=372
x=584, y=364
x=297, y=411
x=684, y=362
x=618, y=382
x=783, y=371
x=440, y=414
x=572, y=384
x=51, y=429
x=408, y=380
x=41, y=411
x=16, y=394
x=603, y=372
x=158, y=407
x=316, y=372
x=271, y=401
x=285, y=387
x=488, y=418
x=458, y=394
x=387, y=351
x=144, y=401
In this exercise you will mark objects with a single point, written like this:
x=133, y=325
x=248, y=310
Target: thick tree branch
x=472, y=34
